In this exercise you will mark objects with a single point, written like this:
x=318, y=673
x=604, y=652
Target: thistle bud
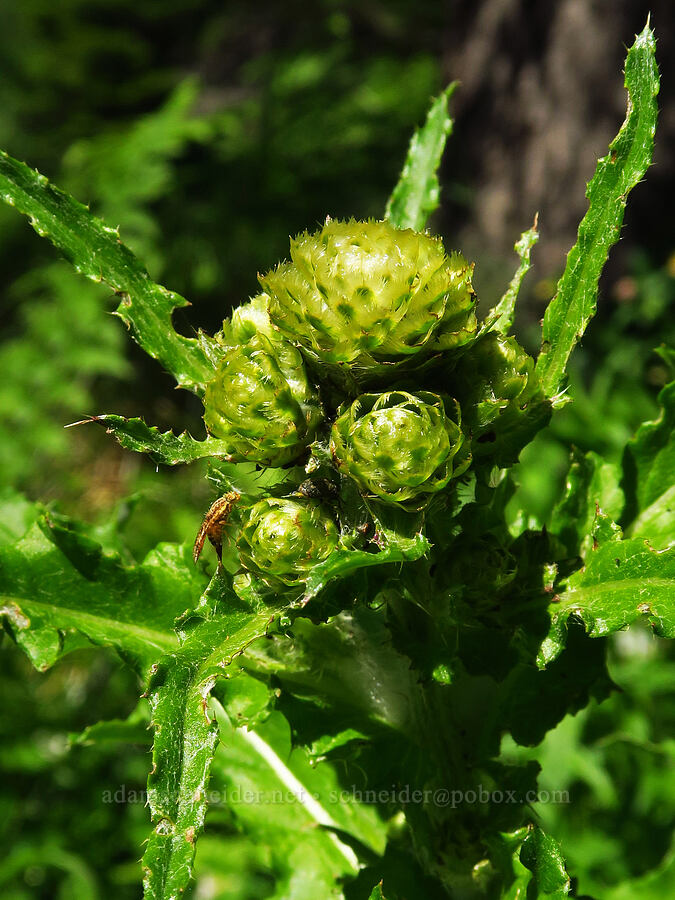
x=283, y=539
x=398, y=446
x=366, y=294
x=260, y=401
x=502, y=403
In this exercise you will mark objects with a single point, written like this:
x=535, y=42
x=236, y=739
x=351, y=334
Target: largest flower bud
x=366, y=294
x=260, y=401
x=398, y=446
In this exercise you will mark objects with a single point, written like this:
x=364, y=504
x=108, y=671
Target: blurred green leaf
x=298, y=807
x=132, y=730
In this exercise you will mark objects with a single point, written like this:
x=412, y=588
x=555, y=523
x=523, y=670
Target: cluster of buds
x=360, y=306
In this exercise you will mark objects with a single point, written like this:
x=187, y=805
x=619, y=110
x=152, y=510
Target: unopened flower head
x=497, y=386
x=364, y=294
x=260, y=400
x=399, y=446
x=283, y=538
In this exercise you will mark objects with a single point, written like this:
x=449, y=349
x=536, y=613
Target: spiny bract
x=399, y=446
x=260, y=400
x=283, y=539
x=364, y=294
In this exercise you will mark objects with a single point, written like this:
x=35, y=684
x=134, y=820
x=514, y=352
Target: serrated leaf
x=376, y=893
x=55, y=582
x=347, y=666
x=621, y=582
x=96, y=251
x=185, y=735
x=533, y=701
x=163, y=447
x=617, y=173
x=501, y=318
x=416, y=194
x=649, y=476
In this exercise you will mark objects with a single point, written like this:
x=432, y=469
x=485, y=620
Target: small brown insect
x=214, y=524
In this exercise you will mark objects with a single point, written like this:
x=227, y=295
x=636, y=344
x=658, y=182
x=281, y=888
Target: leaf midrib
x=162, y=640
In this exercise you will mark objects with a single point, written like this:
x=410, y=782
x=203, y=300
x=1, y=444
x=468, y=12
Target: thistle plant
x=379, y=621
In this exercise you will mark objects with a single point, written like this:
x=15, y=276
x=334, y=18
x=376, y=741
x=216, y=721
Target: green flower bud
x=502, y=403
x=399, y=446
x=365, y=294
x=260, y=400
x=283, y=539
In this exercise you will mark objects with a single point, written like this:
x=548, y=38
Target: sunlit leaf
x=415, y=197
x=630, y=154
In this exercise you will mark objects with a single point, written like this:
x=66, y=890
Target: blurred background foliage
x=210, y=131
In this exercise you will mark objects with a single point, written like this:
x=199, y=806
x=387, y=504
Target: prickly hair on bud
x=249, y=319
x=502, y=402
x=282, y=539
x=398, y=446
x=366, y=294
x=260, y=400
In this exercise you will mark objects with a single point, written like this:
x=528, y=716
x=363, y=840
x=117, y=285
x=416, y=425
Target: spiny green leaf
x=416, y=195
x=621, y=582
x=186, y=736
x=55, y=582
x=501, y=318
x=163, y=447
x=96, y=251
x=649, y=476
x=376, y=893
x=541, y=854
x=341, y=563
x=617, y=173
